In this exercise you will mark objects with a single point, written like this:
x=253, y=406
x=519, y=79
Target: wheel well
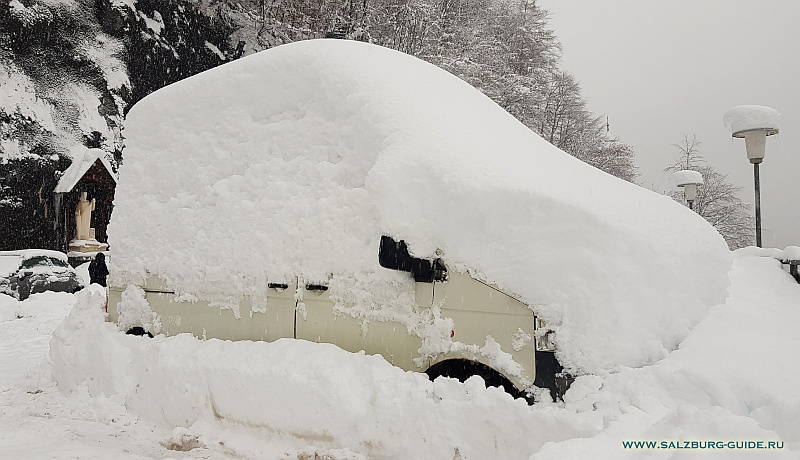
x=462, y=369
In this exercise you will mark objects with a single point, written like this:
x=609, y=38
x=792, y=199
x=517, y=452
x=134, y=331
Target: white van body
x=289, y=166
x=479, y=313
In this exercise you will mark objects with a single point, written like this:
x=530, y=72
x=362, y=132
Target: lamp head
x=753, y=123
x=690, y=192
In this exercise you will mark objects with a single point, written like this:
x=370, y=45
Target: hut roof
x=82, y=160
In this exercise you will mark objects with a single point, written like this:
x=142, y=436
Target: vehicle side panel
x=204, y=320
x=387, y=338
x=479, y=310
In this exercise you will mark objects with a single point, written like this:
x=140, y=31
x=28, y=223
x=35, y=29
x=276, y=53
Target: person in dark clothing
x=98, y=270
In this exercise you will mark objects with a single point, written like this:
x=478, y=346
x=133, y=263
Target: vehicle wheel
x=462, y=369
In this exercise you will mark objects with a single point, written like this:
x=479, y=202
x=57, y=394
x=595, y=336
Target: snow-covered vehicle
x=341, y=192
x=491, y=331
x=31, y=271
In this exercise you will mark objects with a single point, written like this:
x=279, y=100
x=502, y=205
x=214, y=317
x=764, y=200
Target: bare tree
x=610, y=155
x=717, y=200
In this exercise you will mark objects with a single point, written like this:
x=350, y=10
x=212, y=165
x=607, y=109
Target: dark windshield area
x=58, y=262
x=36, y=262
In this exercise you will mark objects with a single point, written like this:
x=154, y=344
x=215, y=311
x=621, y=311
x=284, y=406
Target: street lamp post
x=753, y=123
x=688, y=180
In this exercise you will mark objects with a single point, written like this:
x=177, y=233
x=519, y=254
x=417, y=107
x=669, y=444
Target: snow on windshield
x=10, y=261
x=294, y=161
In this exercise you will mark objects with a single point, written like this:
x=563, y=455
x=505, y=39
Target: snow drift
x=294, y=390
x=294, y=162
x=733, y=379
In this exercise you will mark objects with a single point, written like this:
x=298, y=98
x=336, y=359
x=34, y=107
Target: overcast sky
x=663, y=69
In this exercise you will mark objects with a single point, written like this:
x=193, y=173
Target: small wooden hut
x=90, y=172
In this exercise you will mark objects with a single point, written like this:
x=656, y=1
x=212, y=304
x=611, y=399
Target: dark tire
x=462, y=369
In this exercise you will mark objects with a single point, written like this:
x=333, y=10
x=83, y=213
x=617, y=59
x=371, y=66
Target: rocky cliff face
x=69, y=71
x=164, y=41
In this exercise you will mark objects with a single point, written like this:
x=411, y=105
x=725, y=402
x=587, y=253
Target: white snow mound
x=313, y=393
x=686, y=177
x=749, y=117
x=294, y=161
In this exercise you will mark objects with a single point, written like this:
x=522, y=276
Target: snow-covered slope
x=294, y=161
x=37, y=89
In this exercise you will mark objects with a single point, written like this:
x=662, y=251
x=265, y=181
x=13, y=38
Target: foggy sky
x=662, y=70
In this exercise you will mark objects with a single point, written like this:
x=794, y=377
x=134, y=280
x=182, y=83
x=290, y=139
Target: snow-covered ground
x=38, y=422
x=81, y=389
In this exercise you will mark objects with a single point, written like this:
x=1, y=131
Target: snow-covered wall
x=294, y=161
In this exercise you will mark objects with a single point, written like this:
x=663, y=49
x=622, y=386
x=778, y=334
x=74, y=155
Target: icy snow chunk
x=749, y=117
x=134, y=311
x=520, y=339
x=294, y=161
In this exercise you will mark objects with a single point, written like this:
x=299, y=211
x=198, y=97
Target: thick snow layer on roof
x=8, y=264
x=294, y=162
x=748, y=117
x=82, y=159
x=10, y=260
x=681, y=178
x=25, y=254
x=788, y=253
